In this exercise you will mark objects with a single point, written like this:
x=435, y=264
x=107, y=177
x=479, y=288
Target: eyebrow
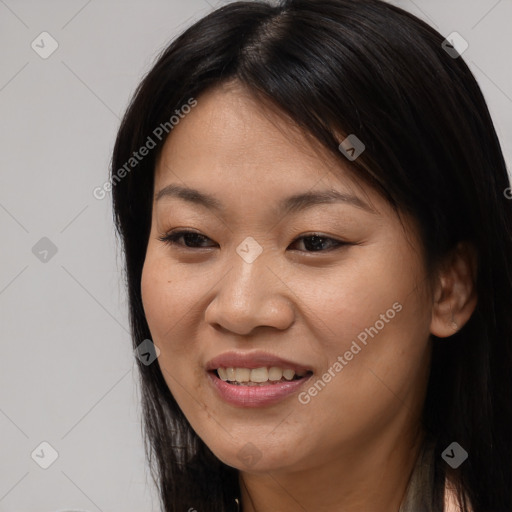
x=291, y=204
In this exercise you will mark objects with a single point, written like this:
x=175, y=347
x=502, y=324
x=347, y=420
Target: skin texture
x=353, y=446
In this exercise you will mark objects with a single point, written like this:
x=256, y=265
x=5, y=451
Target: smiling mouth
x=258, y=376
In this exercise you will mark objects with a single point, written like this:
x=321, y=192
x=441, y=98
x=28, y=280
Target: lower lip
x=255, y=396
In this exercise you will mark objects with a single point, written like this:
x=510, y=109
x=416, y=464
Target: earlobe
x=455, y=295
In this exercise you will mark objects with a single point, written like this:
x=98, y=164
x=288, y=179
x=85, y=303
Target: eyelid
x=171, y=236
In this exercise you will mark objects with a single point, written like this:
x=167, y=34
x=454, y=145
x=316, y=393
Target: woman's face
x=350, y=308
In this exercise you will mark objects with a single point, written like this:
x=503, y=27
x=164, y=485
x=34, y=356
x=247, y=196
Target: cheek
x=154, y=288
x=167, y=306
x=373, y=333
x=172, y=305
x=167, y=296
x=343, y=303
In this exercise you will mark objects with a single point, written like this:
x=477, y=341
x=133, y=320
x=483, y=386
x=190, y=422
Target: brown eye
x=319, y=243
x=191, y=239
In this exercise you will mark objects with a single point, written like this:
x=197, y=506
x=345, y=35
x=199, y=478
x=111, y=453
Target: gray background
x=67, y=373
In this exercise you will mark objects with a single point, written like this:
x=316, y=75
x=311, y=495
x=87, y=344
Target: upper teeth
x=257, y=374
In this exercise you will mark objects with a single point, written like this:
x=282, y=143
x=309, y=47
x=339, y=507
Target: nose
x=251, y=295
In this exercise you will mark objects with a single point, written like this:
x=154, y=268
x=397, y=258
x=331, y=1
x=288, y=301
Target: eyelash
x=171, y=238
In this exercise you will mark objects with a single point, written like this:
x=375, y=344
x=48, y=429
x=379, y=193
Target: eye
x=192, y=240
x=316, y=243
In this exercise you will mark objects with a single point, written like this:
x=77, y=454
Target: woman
x=311, y=198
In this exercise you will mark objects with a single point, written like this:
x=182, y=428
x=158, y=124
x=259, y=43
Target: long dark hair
x=340, y=67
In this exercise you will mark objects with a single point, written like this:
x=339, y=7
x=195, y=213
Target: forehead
x=231, y=138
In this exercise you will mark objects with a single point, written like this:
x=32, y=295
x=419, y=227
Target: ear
x=455, y=294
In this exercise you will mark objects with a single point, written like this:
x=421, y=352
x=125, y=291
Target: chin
x=252, y=458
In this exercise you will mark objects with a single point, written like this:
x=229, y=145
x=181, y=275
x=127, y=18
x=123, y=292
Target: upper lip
x=253, y=360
